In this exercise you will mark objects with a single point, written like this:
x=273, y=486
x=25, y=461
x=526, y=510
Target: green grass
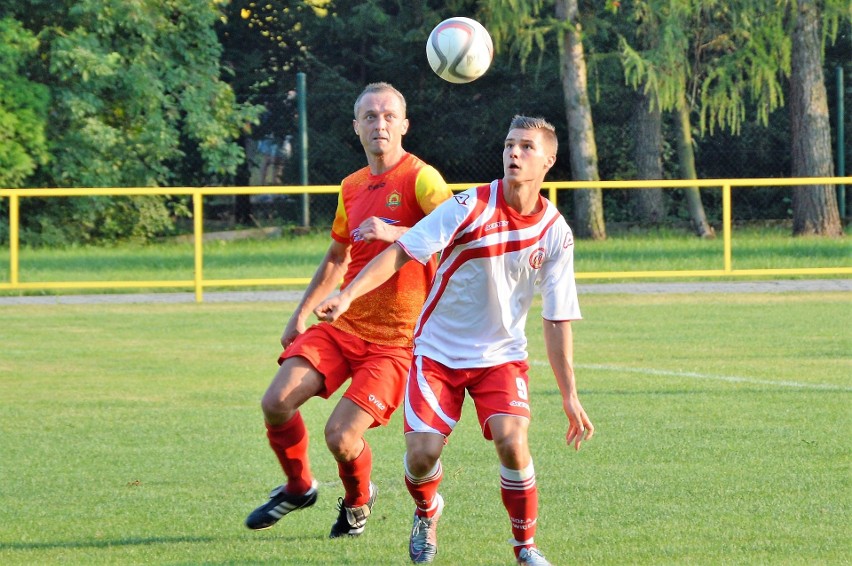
x=297, y=257
x=131, y=434
x=752, y=248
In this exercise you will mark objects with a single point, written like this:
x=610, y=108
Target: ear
x=405, y=126
x=550, y=162
x=355, y=126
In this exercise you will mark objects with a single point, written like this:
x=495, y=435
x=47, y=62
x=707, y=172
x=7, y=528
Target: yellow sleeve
x=431, y=189
x=340, y=226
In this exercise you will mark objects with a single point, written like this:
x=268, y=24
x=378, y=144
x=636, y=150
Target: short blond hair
x=535, y=123
x=379, y=87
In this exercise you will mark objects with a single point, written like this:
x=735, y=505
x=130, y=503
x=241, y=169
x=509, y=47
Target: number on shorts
x=522, y=388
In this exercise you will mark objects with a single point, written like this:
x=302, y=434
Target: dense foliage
x=136, y=100
x=171, y=93
x=23, y=107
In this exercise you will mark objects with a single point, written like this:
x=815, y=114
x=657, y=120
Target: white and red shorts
x=434, y=394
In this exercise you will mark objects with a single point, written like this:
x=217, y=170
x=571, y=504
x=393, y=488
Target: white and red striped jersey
x=492, y=260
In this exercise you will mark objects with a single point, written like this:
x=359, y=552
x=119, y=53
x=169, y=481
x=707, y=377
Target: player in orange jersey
x=372, y=344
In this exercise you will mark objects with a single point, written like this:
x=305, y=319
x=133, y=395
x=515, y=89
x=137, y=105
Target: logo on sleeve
x=568, y=241
x=537, y=258
x=462, y=199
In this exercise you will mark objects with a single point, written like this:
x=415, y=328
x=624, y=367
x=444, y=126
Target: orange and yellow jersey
x=401, y=196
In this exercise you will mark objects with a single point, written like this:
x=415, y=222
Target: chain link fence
x=460, y=129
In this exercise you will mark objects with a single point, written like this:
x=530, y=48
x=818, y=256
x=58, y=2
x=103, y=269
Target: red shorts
x=434, y=394
x=378, y=372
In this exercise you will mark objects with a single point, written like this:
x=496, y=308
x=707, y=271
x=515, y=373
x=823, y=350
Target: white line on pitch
x=694, y=375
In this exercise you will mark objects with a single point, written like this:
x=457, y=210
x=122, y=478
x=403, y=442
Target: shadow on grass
x=130, y=541
x=108, y=543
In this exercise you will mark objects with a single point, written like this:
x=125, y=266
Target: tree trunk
x=588, y=203
x=815, y=209
x=647, y=153
x=686, y=161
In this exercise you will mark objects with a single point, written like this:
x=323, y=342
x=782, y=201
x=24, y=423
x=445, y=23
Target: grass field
x=298, y=256
x=131, y=434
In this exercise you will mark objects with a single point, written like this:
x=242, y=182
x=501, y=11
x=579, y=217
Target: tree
x=23, y=107
x=131, y=85
x=815, y=210
x=740, y=53
x=137, y=100
x=686, y=161
x=647, y=121
x=588, y=213
x=524, y=26
x=707, y=56
x=648, y=134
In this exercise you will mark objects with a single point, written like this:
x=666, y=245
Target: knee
x=335, y=438
x=277, y=408
x=513, y=451
x=342, y=442
x=419, y=461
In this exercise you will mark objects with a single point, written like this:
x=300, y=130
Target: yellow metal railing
x=199, y=283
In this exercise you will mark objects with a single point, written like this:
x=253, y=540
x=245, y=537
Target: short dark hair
x=379, y=87
x=536, y=123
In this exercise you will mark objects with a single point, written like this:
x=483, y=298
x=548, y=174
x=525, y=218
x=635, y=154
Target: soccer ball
x=459, y=50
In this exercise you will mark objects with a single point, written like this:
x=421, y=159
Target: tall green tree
x=648, y=136
x=588, y=213
x=137, y=99
x=683, y=58
x=137, y=89
x=525, y=27
x=721, y=59
x=648, y=157
x=815, y=210
x=23, y=106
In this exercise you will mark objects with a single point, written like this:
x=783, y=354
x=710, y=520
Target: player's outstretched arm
x=559, y=342
x=379, y=270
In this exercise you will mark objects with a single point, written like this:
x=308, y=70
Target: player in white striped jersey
x=498, y=243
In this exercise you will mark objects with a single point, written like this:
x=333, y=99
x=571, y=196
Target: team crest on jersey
x=461, y=199
x=537, y=258
x=394, y=200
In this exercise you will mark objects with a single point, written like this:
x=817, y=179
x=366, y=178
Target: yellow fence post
x=726, y=226
x=198, y=232
x=14, y=223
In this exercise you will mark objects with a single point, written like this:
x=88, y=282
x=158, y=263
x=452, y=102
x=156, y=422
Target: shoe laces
x=355, y=516
x=422, y=533
x=532, y=556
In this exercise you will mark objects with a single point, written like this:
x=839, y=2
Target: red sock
x=423, y=490
x=520, y=497
x=289, y=441
x=356, y=478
